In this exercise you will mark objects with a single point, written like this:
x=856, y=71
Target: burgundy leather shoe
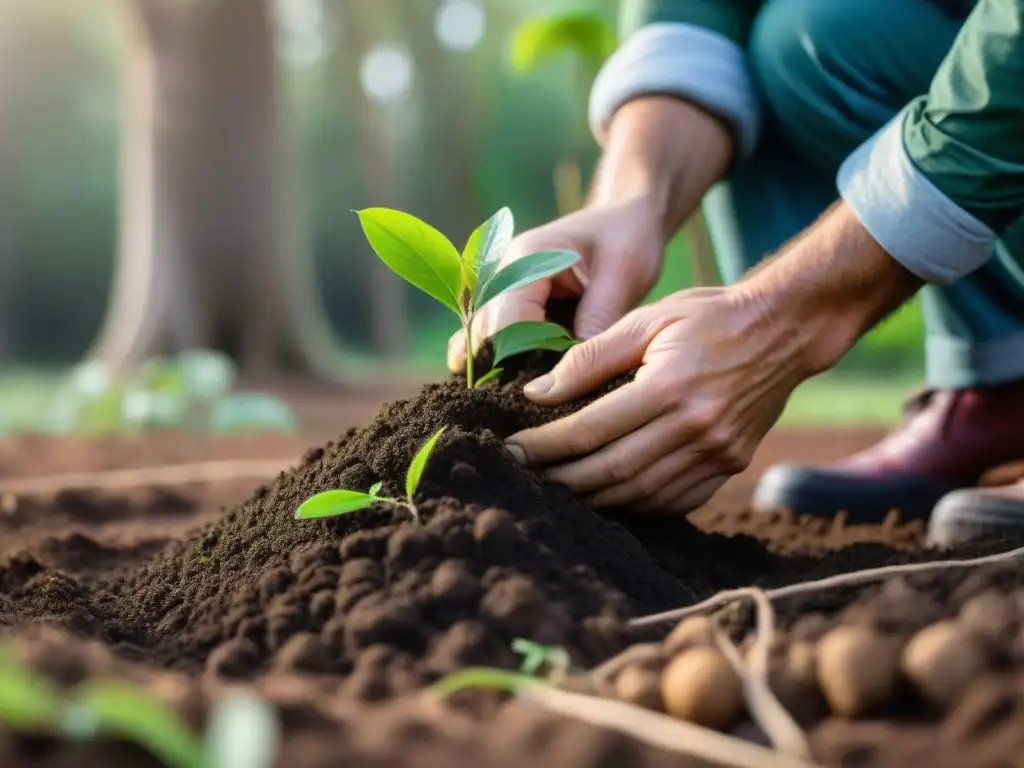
x=946, y=440
x=972, y=513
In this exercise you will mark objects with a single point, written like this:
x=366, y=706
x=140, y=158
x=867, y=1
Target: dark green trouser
x=831, y=74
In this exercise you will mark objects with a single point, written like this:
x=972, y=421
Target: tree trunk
x=211, y=251
x=9, y=105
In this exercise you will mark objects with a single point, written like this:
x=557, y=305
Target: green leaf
x=491, y=374
x=243, y=733
x=334, y=503
x=416, y=252
x=485, y=248
x=526, y=336
x=529, y=269
x=122, y=710
x=27, y=700
x=419, y=463
x=585, y=32
x=375, y=489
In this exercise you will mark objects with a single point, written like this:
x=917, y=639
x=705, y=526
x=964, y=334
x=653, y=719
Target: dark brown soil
x=346, y=614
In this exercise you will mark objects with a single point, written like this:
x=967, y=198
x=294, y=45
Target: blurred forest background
x=181, y=173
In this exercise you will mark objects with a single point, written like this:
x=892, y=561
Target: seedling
x=535, y=656
x=343, y=502
x=464, y=282
x=242, y=732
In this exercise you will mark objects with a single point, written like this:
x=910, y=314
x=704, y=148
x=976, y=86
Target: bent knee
x=820, y=93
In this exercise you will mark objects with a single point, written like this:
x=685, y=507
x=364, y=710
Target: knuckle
x=622, y=471
x=583, y=439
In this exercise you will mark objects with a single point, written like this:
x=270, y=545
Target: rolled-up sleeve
x=693, y=49
x=940, y=182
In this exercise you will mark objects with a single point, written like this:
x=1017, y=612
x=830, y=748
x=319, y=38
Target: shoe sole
x=819, y=493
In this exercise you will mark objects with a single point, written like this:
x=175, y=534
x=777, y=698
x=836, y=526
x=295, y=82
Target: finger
x=608, y=297
x=643, y=486
x=684, y=495
x=457, y=352
x=618, y=413
x=590, y=364
x=526, y=304
x=621, y=462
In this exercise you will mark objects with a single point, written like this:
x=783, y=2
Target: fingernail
x=539, y=386
x=517, y=453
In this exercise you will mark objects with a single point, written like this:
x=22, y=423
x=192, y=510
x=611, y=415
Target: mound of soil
x=374, y=605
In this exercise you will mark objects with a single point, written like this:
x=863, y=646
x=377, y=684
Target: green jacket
x=935, y=187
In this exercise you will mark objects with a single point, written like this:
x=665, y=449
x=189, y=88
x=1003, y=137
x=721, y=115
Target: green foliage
x=481, y=677
x=335, y=503
x=525, y=337
x=27, y=700
x=464, y=283
x=522, y=272
x=585, y=32
x=120, y=710
x=190, y=391
x=535, y=656
x=417, y=252
x=343, y=502
x=419, y=463
x=242, y=732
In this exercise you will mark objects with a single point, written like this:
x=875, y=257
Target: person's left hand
x=716, y=367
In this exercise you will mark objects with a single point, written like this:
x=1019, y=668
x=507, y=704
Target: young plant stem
x=469, y=351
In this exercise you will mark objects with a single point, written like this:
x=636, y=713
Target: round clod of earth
x=233, y=659
x=857, y=669
x=700, y=686
x=303, y=652
x=641, y=687
x=801, y=662
x=942, y=661
x=359, y=570
x=410, y=545
x=990, y=615
x=495, y=529
x=690, y=632
x=453, y=581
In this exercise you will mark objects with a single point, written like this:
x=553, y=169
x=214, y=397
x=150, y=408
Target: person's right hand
x=621, y=246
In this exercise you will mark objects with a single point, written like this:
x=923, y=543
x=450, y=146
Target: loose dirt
x=341, y=622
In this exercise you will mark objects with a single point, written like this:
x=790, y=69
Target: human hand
x=715, y=371
x=621, y=246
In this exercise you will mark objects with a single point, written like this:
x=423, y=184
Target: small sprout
x=343, y=502
x=535, y=656
x=586, y=32
x=121, y=710
x=481, y=677
x=27, y=700
x=464, y=282
x=488, y=377
x=201, y=557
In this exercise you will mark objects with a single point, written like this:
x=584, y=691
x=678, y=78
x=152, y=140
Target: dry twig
x=660, y=730
x=840, y=580
x=762, y=704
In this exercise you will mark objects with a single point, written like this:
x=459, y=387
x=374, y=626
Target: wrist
x=664, y=153
x=828, y=288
